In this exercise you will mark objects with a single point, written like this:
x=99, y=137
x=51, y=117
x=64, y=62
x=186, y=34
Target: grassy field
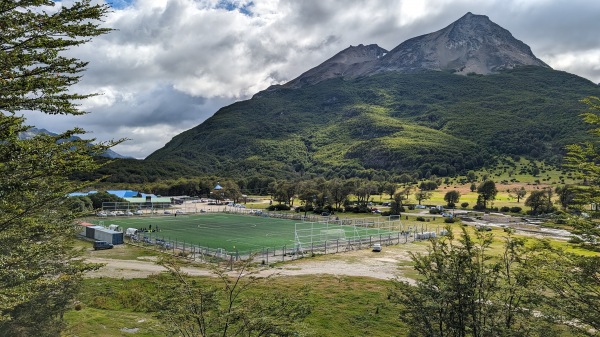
x=243, y=233
x=229, y=232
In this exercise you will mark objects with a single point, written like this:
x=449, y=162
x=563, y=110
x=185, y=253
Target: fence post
x=267, y=257
x=337, y=246
x=325, y=247
x=283, y=254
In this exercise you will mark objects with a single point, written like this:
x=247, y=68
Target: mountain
x=440, y=103
x=32, y=132
x=472, y=44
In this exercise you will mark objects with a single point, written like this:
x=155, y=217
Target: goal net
x=332, y=234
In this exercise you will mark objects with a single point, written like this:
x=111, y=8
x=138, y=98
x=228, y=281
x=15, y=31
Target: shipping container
x=91, y=230
x=114, y=237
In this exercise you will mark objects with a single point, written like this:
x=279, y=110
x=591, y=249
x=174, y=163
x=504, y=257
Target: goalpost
x=332, y=234
x=347, y=232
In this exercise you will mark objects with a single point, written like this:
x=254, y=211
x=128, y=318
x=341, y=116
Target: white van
x=131, y=231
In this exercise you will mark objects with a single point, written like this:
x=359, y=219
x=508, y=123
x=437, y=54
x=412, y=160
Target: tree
x=566, y=196
x=573, y=284
x=80, y=205
x=452, y=198
x=41, y=271
x=464, y=290
x=518, y=193
x=487, y=190
x=583, y=158
x=396, y=206
x=99, y=198
x=407, y=191
x=473, y=187
x=405, y=179
x=192, y=309
x=338, y=192
x=538, y=201
x=231, y=191
x=389, y=188
x=429, y=185
x=422, y=195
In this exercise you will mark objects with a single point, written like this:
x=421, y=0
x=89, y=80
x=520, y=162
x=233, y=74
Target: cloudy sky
x=171, y=64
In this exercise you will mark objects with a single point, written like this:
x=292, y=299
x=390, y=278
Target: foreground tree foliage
x=572, y=283
x=39, y=271
x=191, y=309
x=465, y=290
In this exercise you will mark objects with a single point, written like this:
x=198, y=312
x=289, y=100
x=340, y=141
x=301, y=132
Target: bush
x=449, y=220
x=420, y=218
x=504, y=209
x=278, y=207
x=434, y=211
x=479, y=207
x=515, y=209
x=464, y=205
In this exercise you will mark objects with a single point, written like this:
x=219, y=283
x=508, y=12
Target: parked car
x=180, y=211
x=102, y=214
x=167, y=212
x=138, y=212
x=98, y=245
x=128, y=213
x=377, y=247
x=113, y=213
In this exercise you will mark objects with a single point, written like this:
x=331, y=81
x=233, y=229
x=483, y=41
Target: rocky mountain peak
x=472, y=44
x=343, y=64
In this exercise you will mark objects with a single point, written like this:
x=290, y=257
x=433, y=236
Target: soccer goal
x=332, y=234
x=347, y=232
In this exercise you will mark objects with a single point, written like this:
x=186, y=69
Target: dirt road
x=392, y=262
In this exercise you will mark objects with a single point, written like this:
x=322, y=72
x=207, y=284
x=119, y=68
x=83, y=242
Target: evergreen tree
x=40, y=271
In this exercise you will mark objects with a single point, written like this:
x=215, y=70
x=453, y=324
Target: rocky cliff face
x=472, y=44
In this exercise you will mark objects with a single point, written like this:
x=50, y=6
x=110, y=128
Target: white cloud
x=170, y=64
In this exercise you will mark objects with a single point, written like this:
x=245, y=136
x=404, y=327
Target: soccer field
x=227, y=231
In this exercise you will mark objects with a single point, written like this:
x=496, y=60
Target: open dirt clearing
x=393, y=261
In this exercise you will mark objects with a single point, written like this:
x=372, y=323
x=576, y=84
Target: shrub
x=505, y=209
x=278, y=207
x=515, y=209
x=449, y=220
x=420, y=218
x=479, y=207
x=464, y=205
